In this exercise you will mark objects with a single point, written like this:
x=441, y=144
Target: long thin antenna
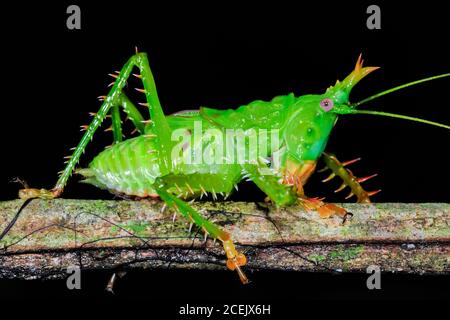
x=409, y=84
x=394, y=115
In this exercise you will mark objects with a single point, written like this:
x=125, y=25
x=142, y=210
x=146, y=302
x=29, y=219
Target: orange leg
x=297, y=175
x=348, y=179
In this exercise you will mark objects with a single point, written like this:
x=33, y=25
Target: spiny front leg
x=235, y=259
x=296, y=174
x=324, y=209
x=289, y=190
x=338, y=169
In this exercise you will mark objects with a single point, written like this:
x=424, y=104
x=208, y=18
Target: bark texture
x=50, y=236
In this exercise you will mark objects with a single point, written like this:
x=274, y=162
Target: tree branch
x=49, y=236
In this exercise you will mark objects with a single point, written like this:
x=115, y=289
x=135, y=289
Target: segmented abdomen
x=129, y=167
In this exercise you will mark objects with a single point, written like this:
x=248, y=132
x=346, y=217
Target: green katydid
x=148, y=166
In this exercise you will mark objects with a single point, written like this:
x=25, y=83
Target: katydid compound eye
x=327, y=104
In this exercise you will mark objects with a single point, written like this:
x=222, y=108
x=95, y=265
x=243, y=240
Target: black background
x=224, y=56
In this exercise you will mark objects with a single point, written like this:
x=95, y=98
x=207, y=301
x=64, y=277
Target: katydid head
x=313, y=117
x=336, y=98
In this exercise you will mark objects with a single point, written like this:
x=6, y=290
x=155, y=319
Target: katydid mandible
x=147, y=166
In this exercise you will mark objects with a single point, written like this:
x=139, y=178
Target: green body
x=132, y=166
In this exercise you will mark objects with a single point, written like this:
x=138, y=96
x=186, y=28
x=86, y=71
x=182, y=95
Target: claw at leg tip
x=242, y=276
x=235, y=264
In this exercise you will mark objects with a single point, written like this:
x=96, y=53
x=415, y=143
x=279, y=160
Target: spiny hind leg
x=348, y=179
x=132, y=113
x=235, y=259
x=116, y=128
x=116, y=98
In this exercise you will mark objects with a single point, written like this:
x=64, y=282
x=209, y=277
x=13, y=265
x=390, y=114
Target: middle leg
x=289, y=190
x=235, y=259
